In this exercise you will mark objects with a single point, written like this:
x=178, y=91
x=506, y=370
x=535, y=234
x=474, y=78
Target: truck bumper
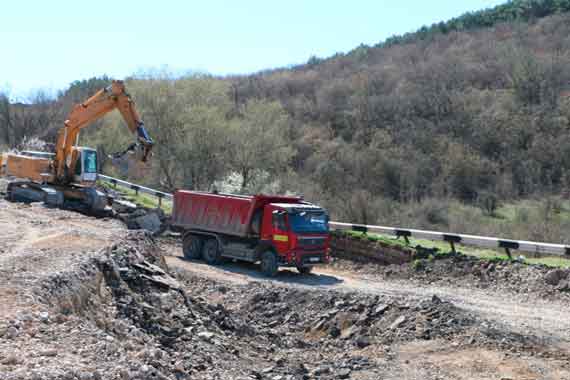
x=308, y=258
x=312, y=258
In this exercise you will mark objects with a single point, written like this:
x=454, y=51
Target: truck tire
x=304, y=269
x=192, y=247
x=269, y=266
x=211, y=252
x=9, y=193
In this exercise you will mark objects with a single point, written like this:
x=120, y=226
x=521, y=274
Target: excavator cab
x=85, y=165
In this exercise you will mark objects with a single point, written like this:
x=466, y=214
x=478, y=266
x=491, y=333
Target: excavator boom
x=103, y=102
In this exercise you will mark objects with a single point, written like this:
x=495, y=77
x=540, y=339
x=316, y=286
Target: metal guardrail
x=536, y=248
x=137, y=188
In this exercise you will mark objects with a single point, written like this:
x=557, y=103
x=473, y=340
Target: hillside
x=475, y=110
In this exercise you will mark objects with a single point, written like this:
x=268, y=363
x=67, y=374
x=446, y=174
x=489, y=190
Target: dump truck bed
x=220, y=213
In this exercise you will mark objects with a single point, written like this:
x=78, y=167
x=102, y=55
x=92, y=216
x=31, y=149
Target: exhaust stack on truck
x=274, y=230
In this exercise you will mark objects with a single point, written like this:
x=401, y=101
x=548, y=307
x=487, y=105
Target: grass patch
x=492, y=254
x=444, y=248
x=142, y=199
x=555, y=262
x=378, y=238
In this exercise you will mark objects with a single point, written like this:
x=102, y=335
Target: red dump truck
x=274, y=230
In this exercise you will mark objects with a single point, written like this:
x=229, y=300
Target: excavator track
x=87, y=200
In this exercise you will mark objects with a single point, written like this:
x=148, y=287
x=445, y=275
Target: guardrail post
x=452, y=239
x=508, y=245
x=360, y=228
x=405, y=234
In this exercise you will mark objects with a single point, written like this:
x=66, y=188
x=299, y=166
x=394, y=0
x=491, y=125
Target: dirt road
x=547, y=319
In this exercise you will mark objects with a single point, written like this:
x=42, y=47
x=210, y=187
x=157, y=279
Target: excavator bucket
x=138, y=151
x=132, y=161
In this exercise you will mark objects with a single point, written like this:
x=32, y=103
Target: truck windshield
x=90, y=161
x=309, y=222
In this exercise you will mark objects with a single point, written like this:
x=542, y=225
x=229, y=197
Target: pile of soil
x=457, y=269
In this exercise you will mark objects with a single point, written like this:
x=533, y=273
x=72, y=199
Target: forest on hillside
x=472, y=113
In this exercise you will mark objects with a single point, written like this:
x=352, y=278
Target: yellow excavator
x=67, y=178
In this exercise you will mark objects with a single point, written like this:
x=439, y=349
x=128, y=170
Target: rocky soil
x=471, y=272
x=83, y=298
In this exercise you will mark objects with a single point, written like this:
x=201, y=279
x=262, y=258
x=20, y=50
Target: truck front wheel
x=269, y=266
x=192, y=247
x=304, y=270
x=211, y=252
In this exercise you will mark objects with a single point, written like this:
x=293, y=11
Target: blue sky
x=48, y=44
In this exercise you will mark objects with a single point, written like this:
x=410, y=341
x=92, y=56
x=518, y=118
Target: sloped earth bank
x=82, y=298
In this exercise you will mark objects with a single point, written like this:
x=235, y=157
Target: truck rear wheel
x=192, y=247
x=211, y=252
x=269, y=266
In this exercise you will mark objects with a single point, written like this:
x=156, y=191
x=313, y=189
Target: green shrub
x=419, y=265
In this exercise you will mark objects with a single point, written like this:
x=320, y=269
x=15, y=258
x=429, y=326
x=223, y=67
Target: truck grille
x=311, y=242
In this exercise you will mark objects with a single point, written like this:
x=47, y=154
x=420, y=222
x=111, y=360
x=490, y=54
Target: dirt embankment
x=379, y=260
x=99, y=306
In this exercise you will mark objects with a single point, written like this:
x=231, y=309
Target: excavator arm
x=103, y=102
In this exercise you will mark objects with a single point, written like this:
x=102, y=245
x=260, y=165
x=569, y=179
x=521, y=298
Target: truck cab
x=298, y=232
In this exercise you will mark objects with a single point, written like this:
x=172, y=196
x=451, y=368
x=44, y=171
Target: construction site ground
x=84, y=298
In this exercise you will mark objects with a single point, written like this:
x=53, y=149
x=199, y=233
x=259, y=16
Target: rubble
x=152, y=220
x=471, y=272
x=554, y=276
x=125, y=315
